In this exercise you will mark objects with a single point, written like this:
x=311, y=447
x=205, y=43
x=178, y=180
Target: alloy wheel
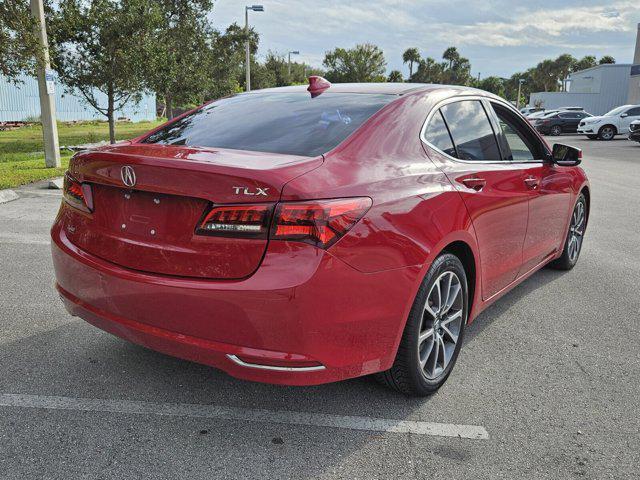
x=576, y=231
x=441, y=324
x=556, y=131
x=607, y=133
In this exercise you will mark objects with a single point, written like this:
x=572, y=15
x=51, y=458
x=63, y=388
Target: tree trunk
x=110, y=113
x=168, y=101
x=410, y=70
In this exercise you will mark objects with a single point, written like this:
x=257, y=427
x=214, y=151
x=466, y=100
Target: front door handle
x=532, y=182
x=475, y=183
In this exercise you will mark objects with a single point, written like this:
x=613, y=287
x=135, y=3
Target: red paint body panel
x=272, y=301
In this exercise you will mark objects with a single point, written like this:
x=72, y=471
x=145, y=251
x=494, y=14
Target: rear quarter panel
x=416, y=211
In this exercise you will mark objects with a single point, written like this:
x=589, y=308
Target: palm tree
x=411, y=56
x=395, y=76
x=451, y=55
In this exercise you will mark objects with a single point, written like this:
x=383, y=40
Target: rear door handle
x=475, y=183
x=532, y=182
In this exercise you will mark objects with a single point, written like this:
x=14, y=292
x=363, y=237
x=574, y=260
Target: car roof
x=389, y=88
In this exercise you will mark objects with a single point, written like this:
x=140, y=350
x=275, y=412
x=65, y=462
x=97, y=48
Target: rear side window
x=287, y=123
x=437, y=134
x=471, y=131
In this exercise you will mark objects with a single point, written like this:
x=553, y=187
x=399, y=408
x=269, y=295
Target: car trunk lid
x=150, y=224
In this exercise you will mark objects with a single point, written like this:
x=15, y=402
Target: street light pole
x=293, y=52
x=46, y=90
x=255, y=8
x=520, y=82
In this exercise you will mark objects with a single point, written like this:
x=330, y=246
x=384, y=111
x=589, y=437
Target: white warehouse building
x=598, y=89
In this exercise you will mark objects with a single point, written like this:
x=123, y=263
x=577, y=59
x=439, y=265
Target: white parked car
x=634, y=131
x=607, y=126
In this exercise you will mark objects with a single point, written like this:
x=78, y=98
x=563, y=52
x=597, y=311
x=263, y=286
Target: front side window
x=286, y=123
x=634, y=112
x=516, y=141
x=471, y=130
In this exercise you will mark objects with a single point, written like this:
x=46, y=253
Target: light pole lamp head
x=294, y=52
x=256, y=8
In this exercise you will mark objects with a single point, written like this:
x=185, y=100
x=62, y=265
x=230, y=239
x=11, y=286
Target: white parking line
x=24, y=239
x=244, y=414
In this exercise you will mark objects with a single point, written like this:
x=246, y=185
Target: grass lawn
x=21, y=150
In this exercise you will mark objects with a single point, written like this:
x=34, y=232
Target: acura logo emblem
x=128, y=175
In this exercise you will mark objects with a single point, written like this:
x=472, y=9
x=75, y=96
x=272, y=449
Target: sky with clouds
x=499, y=37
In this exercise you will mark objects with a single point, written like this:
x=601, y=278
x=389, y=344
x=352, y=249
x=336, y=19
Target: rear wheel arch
x=463, y=251
x=587, y=196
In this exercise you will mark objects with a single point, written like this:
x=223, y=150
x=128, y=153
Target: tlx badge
x=246, y=191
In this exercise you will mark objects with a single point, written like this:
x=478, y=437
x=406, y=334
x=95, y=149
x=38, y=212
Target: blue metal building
x=21, y=102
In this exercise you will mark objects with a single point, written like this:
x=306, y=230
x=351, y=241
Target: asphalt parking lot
x=548, y=381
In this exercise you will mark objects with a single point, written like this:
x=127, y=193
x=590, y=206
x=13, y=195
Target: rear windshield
x=288, y=123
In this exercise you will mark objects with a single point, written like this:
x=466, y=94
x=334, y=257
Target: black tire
x=592, y=137
x=556, y=131
x=407, y=375
x=568, y=260
x=607, y=133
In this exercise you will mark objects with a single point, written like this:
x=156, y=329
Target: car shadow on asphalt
x=78, y=360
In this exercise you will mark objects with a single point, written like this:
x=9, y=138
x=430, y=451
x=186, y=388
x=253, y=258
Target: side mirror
x=566, y=156
x=624, y=115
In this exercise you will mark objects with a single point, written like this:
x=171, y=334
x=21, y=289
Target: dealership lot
x=547, y=384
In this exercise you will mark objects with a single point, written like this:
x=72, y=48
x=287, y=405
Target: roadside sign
x=49, y=77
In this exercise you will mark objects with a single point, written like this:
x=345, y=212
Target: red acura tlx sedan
x=307, y=235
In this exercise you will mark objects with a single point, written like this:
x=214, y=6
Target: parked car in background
x=634, y=131
x=560, y=122
x=607, y=126
x=533, y=117
x=529, y=110
x=308, y=235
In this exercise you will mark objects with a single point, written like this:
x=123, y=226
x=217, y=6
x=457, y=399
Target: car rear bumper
x=303, y=318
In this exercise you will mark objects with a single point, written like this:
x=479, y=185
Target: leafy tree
x=279, y=66
x=454, y=70
x=493, y=85
x=606, y=60
x=587, y=61
x=363, y=63
x=411, y=56
x=179, y=71
x=104, y=45
x=19, y=46
x=226, y=60
x=395, y=76
x=429, y=71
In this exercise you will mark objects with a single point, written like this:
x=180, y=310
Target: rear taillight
x=251, y=221
x=320, y=222
x=77, y=194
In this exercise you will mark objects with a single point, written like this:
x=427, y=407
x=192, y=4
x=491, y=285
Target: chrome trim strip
x=237, y=361
x=483, y=99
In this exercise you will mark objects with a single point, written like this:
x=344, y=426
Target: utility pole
x=46, y=88
x=293, y=52
x=520, y=82
x=255, y=8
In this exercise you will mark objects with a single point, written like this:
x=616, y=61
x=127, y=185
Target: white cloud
x=545, y=27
